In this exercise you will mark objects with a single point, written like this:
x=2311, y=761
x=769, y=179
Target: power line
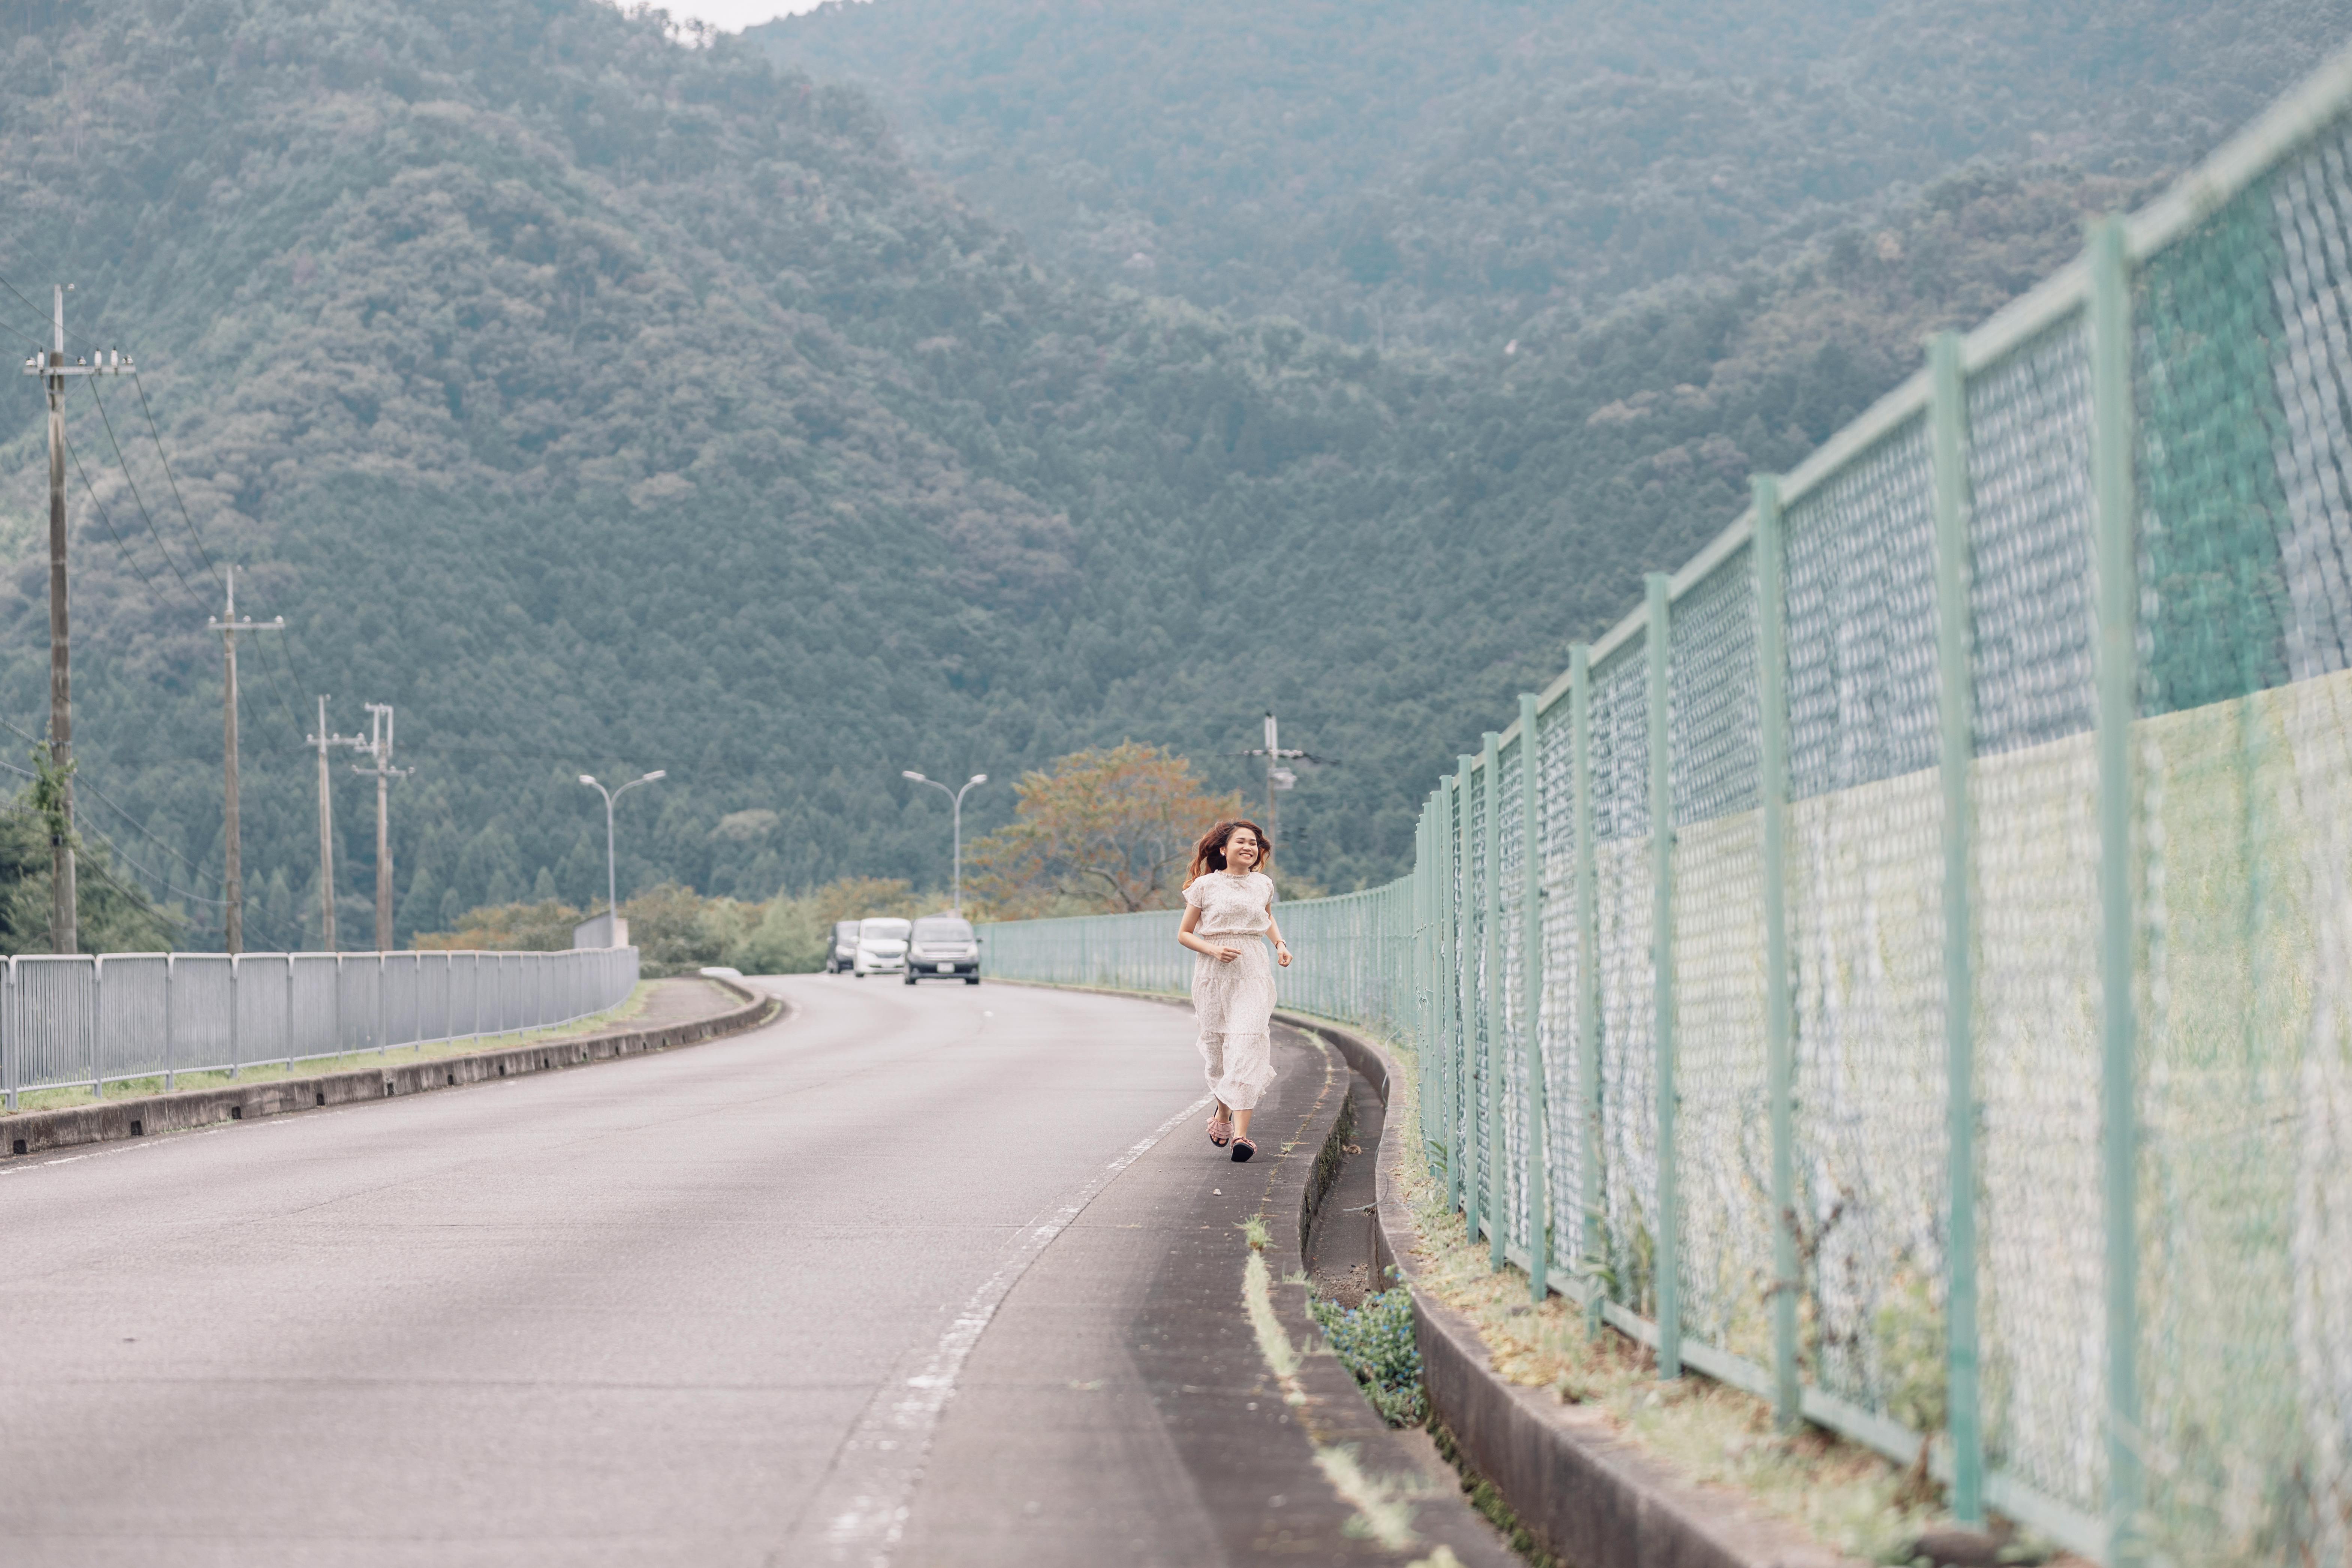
x=91, y=491
x=128, y=559
x=115, y=848
x=137, y=826
x=118, y=808
x=141, y=501
x=104, y=517
x=156, y=432
x=30, y=306
x=44, y=320
x=105, y=871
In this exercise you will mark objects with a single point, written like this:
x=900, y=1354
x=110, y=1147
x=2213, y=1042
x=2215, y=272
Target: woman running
x=1228, y=915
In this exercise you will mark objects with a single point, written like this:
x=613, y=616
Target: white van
x=881, y=946
x=842, y=950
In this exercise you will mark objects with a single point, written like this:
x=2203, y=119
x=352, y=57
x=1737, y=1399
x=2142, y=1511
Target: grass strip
x=69, y=1096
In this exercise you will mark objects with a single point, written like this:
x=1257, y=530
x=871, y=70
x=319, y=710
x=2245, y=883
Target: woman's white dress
x=1235, y=1002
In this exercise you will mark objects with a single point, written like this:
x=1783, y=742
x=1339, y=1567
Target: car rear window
x=942, y=931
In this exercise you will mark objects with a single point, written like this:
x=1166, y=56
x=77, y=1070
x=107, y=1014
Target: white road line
x=863, y=1503
x=134, y=1145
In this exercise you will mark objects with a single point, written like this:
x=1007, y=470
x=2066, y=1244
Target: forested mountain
x=609, y=402
x=1439, y=171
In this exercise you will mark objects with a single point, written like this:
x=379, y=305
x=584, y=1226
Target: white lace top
x=1231, y=905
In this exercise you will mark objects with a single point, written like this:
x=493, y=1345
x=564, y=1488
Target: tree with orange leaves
x=1108, y=830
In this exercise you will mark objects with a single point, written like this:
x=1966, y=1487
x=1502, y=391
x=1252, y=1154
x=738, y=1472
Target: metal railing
x=88, y=1021
x=1930, y=1008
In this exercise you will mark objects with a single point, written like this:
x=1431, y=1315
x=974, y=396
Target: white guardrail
x=91, y=1020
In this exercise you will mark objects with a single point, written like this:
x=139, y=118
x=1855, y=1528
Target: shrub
x=1375, y=1343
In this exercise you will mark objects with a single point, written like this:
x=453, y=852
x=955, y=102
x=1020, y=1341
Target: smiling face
x=1241, y=851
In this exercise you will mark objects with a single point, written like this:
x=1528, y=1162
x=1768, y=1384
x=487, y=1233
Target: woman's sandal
x=1242, y=1150
x=1220, y=1130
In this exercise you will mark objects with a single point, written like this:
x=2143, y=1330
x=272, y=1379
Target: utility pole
x=320, y=742
x=1277, y=777
x=378, y=747
x=228, y=626
x=65, y=910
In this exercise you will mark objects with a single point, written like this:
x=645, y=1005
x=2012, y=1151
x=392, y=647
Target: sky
x=732, y=15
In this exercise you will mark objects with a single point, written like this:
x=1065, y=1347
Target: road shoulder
x=1121, y=1407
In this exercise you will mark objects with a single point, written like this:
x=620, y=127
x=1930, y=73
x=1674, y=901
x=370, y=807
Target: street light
x=612, y=891
x=956, y=796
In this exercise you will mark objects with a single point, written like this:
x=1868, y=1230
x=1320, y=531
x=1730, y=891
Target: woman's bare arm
x=1201, y=944
x=1281, y=948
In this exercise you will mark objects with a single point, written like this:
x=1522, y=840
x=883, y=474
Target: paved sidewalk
x=679, y=1000
x=1119, y=1408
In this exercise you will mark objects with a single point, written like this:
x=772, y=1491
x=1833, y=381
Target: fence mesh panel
x=1865, y=922
x=1477, y=1025
x=2243, y=769
x=94, y=1021
x=2034, y=793
x=2233, y=793
x=130, y=1021
x=1563, y=959
x=1628, y=1045
x=1722, y=1120
x=1510, y=1049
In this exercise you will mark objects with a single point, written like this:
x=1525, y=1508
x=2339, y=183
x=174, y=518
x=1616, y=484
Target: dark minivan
x=844, y=951
x=943, y=948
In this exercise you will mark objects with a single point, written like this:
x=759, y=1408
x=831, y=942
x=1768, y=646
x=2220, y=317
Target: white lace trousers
x=1233, y=1004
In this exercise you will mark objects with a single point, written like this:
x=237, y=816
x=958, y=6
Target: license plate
x=946, y=969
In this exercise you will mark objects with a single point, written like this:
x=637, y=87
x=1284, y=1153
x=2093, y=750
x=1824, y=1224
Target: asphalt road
x=659, y=1310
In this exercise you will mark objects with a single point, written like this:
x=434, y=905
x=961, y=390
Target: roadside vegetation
x=1101, y=831
x=677, y=931
x=116, y=914
x=1844, y=1495
x=1375, y=1343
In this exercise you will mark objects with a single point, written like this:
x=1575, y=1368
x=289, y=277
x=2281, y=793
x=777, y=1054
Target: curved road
x=657, y=1310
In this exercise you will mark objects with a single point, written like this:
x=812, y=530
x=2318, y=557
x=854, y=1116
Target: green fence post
x=1457, y=1015
x=2112, y=497
x=1443, y=979
x=1780, y=1055
x=1490, y=944
x=1531, y=990
x=1424, y=949
x=1947, y=421
x=1593, y=1256
x=1660, y=648
x=1465, y=995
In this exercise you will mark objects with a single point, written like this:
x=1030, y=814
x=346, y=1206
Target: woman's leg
x=1241, y=1123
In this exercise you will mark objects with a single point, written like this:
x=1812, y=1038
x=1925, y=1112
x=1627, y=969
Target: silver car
x=943, y=948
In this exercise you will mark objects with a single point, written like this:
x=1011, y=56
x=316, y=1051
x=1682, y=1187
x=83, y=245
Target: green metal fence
x=1904, y=969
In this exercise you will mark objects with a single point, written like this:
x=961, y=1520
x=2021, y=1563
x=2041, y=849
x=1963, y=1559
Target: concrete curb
x=33, y=1132
x=1586, y=1494
x=1336, y=1413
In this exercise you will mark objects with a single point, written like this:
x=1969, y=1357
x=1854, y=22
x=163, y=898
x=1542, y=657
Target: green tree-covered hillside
x=1438, y=171
x=609, y=403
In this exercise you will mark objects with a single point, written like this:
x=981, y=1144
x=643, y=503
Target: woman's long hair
x=1209, y=855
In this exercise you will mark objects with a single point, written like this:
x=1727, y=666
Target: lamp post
x=611, y=890
x=956, y=796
